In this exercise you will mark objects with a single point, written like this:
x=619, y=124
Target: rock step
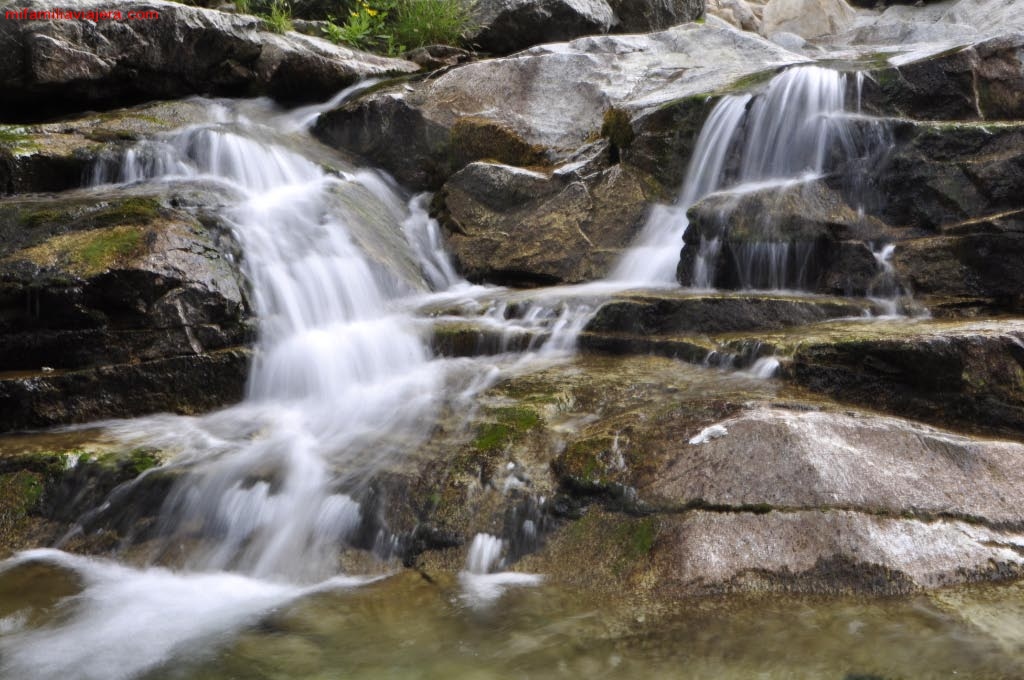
x=182, y=384
x=969, y=374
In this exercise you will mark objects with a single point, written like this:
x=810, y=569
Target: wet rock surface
x=91, y=280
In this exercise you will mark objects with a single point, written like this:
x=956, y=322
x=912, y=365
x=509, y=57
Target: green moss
x=138, y=210
x=108, y=247
x=37, y=218
x=749, y=82
x=140, y=460
x=475, y=138
x=20, y=494
x=17, y=140
x=617, y=128
x=89, y=252
x=637, y=538
x=512, y=422
x=492, y=436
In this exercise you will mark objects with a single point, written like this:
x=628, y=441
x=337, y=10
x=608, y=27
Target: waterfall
x=791, y=133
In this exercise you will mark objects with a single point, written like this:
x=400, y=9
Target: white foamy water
x=127, y=621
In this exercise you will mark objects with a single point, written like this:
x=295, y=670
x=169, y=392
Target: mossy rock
x=476, y=138
x=88, y=253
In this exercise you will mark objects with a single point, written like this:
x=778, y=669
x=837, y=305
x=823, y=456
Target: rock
x=790, y=498
x=705, y=553
x=518, y=110
x=180, y=384
x=807, y=18
x=507, y=225
x=803, y=236
x=668, y=313
x=965, y=374
x=511, y=25
x=945, y=177
x=982, y=268
x=60, y=156
x=952, y=23
x=645, y=16
x=187, y=50
x=838, y=461
x=788, y=41
x=433, y=57
x=737, y=13
x=984, y=80
x=90, y=279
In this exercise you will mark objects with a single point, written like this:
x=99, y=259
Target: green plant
x=364, y=28
x=243, y=6
x=279, y=19
x=415, y=23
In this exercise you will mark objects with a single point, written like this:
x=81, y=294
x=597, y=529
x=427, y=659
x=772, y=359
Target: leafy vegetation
x=394, y=26
x=279, y=18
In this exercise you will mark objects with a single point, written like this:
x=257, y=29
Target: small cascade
x=653, y=259
x=795, y=132
x=484, y=554
x=481, y=584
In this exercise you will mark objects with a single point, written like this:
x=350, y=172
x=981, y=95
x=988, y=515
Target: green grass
x=415, y=23
x=279, y=18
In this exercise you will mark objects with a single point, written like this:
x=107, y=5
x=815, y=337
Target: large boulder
x=512, y=226
x=931, y=23
x=511, y=25
x=540, y=106
x=109, y=283
x=507, y=26
x=644, y=16
x=807, y=18
x=58, y=64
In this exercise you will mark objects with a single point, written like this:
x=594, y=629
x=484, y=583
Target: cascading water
x=786, y=136
x=341, y=379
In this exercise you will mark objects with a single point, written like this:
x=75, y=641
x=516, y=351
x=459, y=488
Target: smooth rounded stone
x=511, y=25
x=665, y=314
x=539, y=107
x=793, y=460
x=739, y=14
x=93, y=279
x=507, y=225
x=187, y=50
x=807, y=18
x=789, y=41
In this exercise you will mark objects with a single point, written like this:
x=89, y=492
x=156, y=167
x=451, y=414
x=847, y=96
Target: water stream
x=343, y=382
